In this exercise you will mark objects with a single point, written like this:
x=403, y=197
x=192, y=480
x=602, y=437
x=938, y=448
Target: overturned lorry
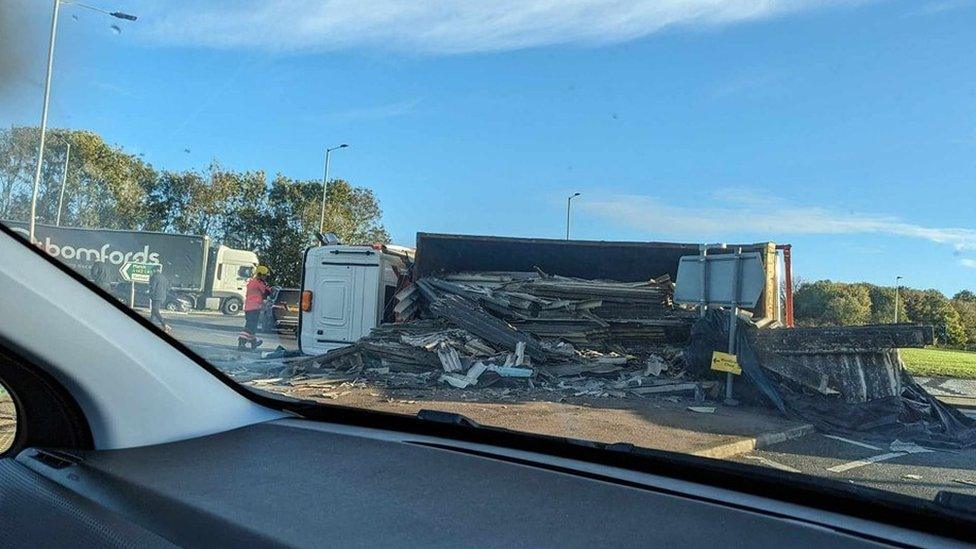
x=348, y=290
x=598, y=319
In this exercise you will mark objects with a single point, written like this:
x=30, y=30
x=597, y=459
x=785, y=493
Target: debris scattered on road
x=702, y=409
x=476, y=330
x=281, y=352
x=907, y=447
x=770, y=463
x=654, y=365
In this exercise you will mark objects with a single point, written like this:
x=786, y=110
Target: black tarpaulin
x=912, y=415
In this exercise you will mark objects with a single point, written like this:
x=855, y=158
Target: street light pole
x=47, y=96
x=897, y=287
x=569, y=204
x=64, y=180
x=325, y=183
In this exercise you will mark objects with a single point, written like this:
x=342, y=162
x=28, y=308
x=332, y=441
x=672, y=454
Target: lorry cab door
x=232, y=276
x=232, y=269
x=345, y=283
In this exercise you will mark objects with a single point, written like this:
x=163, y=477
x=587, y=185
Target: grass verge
x=939, y=362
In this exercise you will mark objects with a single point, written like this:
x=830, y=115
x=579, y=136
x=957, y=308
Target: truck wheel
x=174, y=306
x=231, y=306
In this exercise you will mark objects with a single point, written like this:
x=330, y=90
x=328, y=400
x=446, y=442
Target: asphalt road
x=216, y=329
x=922, y=474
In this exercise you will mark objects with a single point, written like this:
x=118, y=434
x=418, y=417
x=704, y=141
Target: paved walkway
x=658, y=423
x=946, y=386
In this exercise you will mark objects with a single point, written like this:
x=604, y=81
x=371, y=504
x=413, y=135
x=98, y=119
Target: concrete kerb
x=967, y=403
x=748, y=444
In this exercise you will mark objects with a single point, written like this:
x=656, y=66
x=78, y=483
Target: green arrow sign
x=137, y=272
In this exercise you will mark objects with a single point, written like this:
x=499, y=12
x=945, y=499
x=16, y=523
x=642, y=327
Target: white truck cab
x=227, y=278
x=346, y=292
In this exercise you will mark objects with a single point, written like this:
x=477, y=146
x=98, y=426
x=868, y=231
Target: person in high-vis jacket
x=257, y=289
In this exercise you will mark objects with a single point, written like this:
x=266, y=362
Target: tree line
x=107, y=187
x=827, y=303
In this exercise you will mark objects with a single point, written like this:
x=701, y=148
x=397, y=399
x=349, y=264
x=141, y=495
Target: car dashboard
x=296, y=482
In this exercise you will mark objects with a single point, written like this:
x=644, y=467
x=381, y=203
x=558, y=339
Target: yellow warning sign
x=724, y=362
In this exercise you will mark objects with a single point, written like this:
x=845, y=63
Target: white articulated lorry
x=346, y=292
x=204, y=276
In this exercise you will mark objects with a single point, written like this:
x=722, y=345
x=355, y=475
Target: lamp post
x=897, y=287
x=325, y=182
x=47, y=96
x=569, y=204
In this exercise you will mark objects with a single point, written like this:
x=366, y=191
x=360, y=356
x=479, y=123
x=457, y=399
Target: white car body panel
x=135, y=388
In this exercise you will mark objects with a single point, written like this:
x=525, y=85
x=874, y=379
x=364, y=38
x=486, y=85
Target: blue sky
x=847, y=128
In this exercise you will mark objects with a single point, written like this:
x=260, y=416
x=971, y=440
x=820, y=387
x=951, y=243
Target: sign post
x=731, y=280
x=733, y=324
x=135, y=272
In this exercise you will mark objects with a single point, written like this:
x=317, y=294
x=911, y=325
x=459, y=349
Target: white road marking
x=862, y=462
x=908, y=447
x=770, y=463
x=854, y=442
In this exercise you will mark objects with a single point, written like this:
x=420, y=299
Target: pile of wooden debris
x=586, y=337
x=580, y=311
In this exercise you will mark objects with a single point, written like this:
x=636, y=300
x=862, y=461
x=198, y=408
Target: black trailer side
x=184, y=257
x=592, y=259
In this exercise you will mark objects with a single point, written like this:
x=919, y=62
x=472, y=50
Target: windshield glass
x=728, y=228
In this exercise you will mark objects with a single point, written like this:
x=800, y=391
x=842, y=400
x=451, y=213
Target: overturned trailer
x=440, y=254
x=333, y=303
x=847, y=380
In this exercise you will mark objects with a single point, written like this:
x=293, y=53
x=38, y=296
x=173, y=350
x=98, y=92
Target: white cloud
x=441, y=26
x=762, y=218
x=966, y=262
x=936, y=7
x=389, y=110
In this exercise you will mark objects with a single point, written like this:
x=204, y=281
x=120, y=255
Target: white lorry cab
x=227, y=276
x=347, y=291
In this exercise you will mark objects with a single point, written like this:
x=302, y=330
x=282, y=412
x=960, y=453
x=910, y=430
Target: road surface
x=216, y=329
x=922, y=474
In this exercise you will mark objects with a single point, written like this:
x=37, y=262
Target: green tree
x=110, y=188
x=294, y=208
x=932, y=307
x=883, y=305
x=850, y=305
x=105, y=186
x=810, y=302
x=826, y=303
x=967, y=318
x=353, y=214
x=965, y=295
